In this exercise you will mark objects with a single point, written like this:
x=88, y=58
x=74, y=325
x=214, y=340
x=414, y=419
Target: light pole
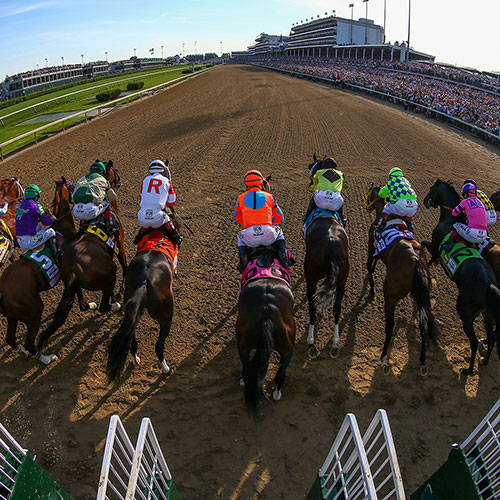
x=351, y=5
x=162, y=51
x=82, y=58
x=408, y=48
x=221, y=49
x=46, y=63
x=366, y=23
x=384, y=19
x=195, y=53
x=183, y=50
x=106, y=56
x=134, y=53
x=62, y=61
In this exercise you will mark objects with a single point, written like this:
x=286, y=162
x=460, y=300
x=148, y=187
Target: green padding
x=452, y=481
x=452, y=260
x=174, y=494
x=171, y=494
x=32, y=483
x=316, y=491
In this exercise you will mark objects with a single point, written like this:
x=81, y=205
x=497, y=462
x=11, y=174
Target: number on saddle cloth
x=452, y=260
x=98, y=231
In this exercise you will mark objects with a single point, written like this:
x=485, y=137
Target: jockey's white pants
x=254, y=236
x=28, y=242
x=328, y=200
x=471, y=234
x=148, y=217
x=403, y=208
x=89, y=211
x=491, y=217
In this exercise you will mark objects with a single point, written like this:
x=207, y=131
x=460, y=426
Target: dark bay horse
x=88, y=264
x=265, y=323
x=495, y=199
x=327, y=259
x=23, y=281
x=11, y=192
x=148, y=284
x=477, y=290
x=406, y=273
x=442, y=194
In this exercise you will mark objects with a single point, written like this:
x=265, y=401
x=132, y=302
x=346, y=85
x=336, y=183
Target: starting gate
x=472, y=471
x=360, y=467
x=139, y=472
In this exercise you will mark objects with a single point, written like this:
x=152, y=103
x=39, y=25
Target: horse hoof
x=334, y=352
x=277, y=394
x=165, y=368
x=386, y=369
x=115, y=306
x=92, y=306
x=483, y=360
x=46, y=360
x=136, y=360
x=465, y=371
x=21, y=350
x=312, y=352
x=241, y=382
x=484, y=341
x=424, y=371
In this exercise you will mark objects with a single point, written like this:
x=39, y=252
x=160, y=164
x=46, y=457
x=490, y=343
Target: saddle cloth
x=160, y=243
x=254, y=271
x=98, y=229
x=6, y=242
x=45, y=261
x=316, y=214
x=452, y=260
x=389, y=235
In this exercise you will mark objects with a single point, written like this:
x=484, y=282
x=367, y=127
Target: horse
x=327, y=259
x=148, y=284
x=23, y=281
x=406, y=273
x=265, y=323
x=88, y=264
x=443, y=194
x=495, y=199
x=477, y=289
x=11, y=192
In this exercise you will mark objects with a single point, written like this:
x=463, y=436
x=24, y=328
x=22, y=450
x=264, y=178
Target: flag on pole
x=151, y=51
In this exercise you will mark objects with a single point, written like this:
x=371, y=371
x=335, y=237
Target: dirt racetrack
x=213, y=128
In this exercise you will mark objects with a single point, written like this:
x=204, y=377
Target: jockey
x=33, y=223
x=326, y=184
x=402, y=200
x=490, y=209
x=260, y=215
x=93, y=194
x=475, y=231
x=157, y=193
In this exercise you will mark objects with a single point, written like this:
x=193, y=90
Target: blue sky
x=455, y=31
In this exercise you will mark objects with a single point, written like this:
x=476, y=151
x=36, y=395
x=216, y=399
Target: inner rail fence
x=86, y=113
x=412, y=106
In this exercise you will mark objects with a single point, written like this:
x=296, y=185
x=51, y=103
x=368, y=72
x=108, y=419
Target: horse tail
x=327, y=292
x=420, y=291
x=256, y=370
x=493, y=309
x=120, y=343
x=62, y=311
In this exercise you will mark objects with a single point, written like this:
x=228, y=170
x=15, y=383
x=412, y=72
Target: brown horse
x=495, y=199
x=406, y=273
x=327, y=259
x=265, y=323
x=23, y=281
x=11, y=192
x=88, y=264
x=148, y=284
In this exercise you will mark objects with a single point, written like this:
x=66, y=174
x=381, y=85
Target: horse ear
x=110, y=163
x=55, y=180
x=268, y=178
x=315, y=158
x=166, y=162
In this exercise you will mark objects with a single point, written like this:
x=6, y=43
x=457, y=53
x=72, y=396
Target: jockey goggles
x=395, y=172
x=469, y=189
x=31, y=191
x=253, y=178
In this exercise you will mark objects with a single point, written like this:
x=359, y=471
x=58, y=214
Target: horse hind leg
x=11, y=336
x=312, y=352
x=280, y=376
x=337, y=309
x=390, y=307
x=468, y=325
x=489, y=326
x=82, y=303
x=160, y=345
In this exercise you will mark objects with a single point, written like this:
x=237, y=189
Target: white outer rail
x=100, y=107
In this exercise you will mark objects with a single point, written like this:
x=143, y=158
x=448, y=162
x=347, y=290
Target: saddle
x=108, y=232
x=395, y=229
x=263, y=262
x=318, y=213
x=158, y=242
x=460, y=252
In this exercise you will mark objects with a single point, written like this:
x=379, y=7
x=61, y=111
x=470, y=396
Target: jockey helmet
x=395, y=172
x=157, y=167
x=253, y=178
x=32, y=191
x=470, y=181
x=469, y=189
x=98, y=167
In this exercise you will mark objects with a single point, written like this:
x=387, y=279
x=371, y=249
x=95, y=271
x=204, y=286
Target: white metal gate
x=11, y=453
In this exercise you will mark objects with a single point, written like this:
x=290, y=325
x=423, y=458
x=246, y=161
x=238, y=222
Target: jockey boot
x=450, y=243
x=138, y=237
x=380, y=224
x=342, y=216
x=243, y=258
x=310, y=208
x=172, y=234
x=52, y=244
x=108, y=222
x=282, y=253
x=409, y=223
